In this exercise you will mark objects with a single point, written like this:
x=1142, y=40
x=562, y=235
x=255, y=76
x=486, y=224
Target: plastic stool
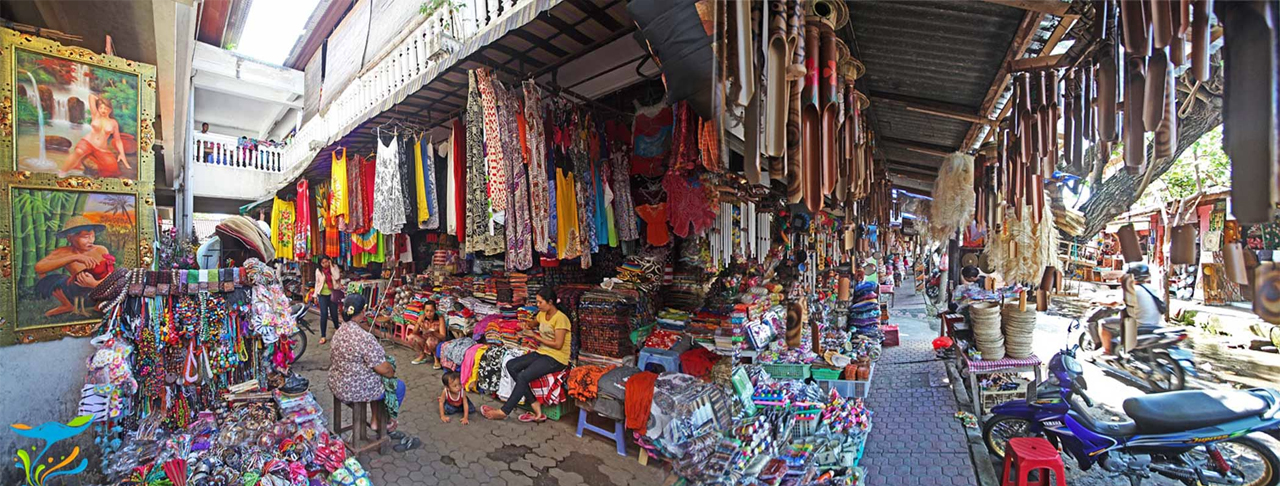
x=617, y=434
x=668, y=360
x=1026, y=454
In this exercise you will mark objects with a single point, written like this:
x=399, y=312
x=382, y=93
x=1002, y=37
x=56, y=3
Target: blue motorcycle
x=1194, y=437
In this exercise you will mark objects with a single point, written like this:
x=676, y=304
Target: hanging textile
x=624, y=207
x=420, y=185
x=450, y=206
x=428, y=166
x=388, y=205
x=355, y=220
x=493, y=151
x=585, y=185
x=408, y=185
x=604, y=224
x=519, y=228
x=338, y=187
x=329, y=233
x=482, y=234
x=302, y=225
x=690, y=209
x=539, y=195
x=568, y=241
x=652, y=137
x=368, y=182
x=458, y=162
x=651, y=207
x=282, y=221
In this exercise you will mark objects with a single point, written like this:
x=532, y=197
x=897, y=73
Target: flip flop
x=419, y=361
x=531, y=418
x=407, y=444
x=397, y=435
x=435, y=366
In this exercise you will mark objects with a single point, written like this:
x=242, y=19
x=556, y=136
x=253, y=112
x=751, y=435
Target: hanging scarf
x=302, y=223
x=539, y=195
x=639, y=399
x=493, y=150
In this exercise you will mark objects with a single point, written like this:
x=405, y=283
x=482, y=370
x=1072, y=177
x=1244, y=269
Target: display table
x=972, y=369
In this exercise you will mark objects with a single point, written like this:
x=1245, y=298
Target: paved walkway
x=483, y=452
x=916, y=438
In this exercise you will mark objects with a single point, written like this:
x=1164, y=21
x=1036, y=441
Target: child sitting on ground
x=453, y=400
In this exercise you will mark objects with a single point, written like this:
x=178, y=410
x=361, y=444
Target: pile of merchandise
x=190, y=384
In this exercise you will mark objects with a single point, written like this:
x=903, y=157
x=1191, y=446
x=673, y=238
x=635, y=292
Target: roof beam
x=1052, y=7
x=931, y=107
x=918, y=167
x=538, y=42
x=1054, y=39
x=559, y=24
x=1021, y=41
x=597, y=14
x=1036, y=63
x=921, y=147
x=912, y=174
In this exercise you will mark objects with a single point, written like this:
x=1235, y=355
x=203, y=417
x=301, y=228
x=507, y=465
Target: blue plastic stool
x=617, y=434
x=668, y=360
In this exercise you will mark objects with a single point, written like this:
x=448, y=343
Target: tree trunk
x=1116, y=194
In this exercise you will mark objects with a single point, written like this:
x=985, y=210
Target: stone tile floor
x=915, y=437
x=483, y=452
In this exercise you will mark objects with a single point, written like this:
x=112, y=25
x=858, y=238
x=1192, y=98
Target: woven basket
x=986, y=330
x=1019, y=330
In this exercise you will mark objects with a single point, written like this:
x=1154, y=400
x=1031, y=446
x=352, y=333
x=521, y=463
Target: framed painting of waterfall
x=77, y=175
x=73, y=118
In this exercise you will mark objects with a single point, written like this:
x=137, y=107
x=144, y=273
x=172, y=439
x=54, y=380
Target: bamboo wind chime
x=813, y=138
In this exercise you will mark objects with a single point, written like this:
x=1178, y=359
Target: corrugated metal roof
x=941, y=51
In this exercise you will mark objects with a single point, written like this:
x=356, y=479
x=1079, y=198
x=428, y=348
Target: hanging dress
x=302, y=222
x=338, y=187
x=408, y=188
x=482, y=234
x=624, y=207
x=539, y=201
x=458, y=163
x=568, y=240
x=282, y=227
x=388, y=201
x=519, y=228
x=585, y=184
x=355, y=220
x=493, y=158
x=428, y=166
x=420, y=185
x=450, y=206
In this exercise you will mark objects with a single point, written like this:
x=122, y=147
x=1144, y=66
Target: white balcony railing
x=439, y=35
x=226, y=151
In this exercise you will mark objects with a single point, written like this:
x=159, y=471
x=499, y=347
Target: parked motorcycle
x=1194, y=437
x=1156, y=359
x=298, y=312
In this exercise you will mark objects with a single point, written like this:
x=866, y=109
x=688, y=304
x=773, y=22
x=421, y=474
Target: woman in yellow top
x=554, y=336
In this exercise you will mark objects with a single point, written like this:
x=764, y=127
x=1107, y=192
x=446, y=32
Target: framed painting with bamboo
x=76, y=182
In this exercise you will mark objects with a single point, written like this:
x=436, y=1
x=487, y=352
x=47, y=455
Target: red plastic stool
x=1024, y=455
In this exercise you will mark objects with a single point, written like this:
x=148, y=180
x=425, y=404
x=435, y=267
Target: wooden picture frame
x=98, y=167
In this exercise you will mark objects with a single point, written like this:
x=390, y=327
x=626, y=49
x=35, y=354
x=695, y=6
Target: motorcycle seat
x=1126, y=428
x=1181, y=411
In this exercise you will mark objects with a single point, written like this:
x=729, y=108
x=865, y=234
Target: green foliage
x=121, y=90
x=430, y=7
x=1205, y=154
x=26, y=112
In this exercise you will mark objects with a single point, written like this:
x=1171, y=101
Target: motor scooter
x=1156, y=359
x=298, y=312
x=1193, y=437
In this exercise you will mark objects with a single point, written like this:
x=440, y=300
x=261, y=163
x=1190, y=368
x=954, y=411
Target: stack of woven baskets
x=986, y=329
x=1019, y=327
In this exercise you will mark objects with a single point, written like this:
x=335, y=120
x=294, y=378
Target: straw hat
x=80, y=223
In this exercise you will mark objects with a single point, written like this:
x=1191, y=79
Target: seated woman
x=552, y=356
x=430, y=332
x=359, y=361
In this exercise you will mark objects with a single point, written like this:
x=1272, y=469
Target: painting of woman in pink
x=94, y=153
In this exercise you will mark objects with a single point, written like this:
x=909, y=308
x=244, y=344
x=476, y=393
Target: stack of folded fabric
x=604, y=325
x=673, y=319
x=864, y=311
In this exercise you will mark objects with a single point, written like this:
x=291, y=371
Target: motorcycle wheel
x=1165, y=374
x=1253, y=462
x=1275, y=336
x=1086, y=342
x=932, y=292
x=1000, y=428
x=299, y=344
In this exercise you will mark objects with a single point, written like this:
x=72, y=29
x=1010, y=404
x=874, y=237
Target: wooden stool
x=361, y=433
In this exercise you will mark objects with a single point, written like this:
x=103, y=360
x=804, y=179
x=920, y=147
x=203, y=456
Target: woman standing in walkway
x=554, y=336
x=327, y=278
